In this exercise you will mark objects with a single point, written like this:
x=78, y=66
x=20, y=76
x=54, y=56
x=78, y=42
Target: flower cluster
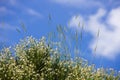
x=33, y=59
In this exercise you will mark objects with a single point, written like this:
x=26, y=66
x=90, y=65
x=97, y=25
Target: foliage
x=33, y=59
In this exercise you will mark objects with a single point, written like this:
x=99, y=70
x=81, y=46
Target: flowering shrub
x=34, y=59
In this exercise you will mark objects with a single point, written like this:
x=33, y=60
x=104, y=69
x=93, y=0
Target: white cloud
x=33, y=12
x=109, y=40
x=114, y=17
x=75, y=21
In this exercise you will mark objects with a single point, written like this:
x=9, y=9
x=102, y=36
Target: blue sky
x=102, y=15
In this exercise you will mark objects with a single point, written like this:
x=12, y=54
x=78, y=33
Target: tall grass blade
x=18, y=30
x=23, y=27
x=49, y=17
x=98, y=34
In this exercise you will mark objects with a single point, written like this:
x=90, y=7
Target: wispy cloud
x=6, y=30
x=9, y=2
x=88, y=3
x=4, y=11
x=13, y=2
x=109, y=40
x=33, y=12
x=19, y=6
x=7, y=27
x=78, y=3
